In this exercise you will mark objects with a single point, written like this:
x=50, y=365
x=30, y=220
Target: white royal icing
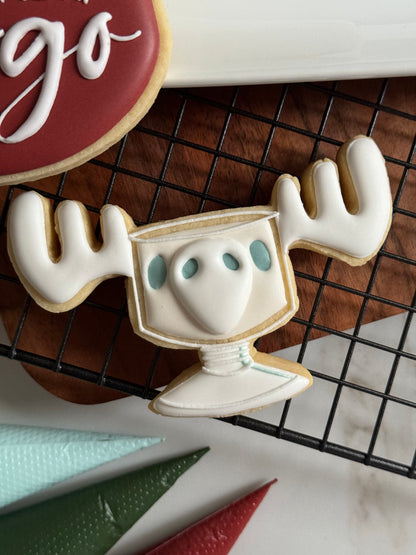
x=357, y=235
x=52, y=37
x=229, y=303
x=58, y=282
x=217, y=301
x=212, y=281
x=239, y=385
x=225, y=359
x=216, y=297
x=95, y=29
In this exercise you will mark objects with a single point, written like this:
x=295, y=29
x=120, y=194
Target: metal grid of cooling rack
x=206, y=197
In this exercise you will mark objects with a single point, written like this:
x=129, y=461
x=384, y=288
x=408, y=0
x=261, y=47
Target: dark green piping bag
x=91, y=520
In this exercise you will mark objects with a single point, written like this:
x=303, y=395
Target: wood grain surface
x=221, y=157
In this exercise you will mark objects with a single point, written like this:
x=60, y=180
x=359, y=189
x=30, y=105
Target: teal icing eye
x=260, y=255
x=157, y=272
x=190, y=268
x=230, y=262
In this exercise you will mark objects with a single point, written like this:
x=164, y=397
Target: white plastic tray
x=223, y=42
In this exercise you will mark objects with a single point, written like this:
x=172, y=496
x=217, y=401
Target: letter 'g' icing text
x=51, y=35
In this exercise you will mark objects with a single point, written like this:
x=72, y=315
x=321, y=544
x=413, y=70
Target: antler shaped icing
x=344, y=211
x=64, y=275
x=345, y=208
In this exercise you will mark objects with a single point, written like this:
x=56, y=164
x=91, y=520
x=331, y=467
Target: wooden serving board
x=190, y=168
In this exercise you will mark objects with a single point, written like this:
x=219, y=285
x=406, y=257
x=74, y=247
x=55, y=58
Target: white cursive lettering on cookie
x=51, y=36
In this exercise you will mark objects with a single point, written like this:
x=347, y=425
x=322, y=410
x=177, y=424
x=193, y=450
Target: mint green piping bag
x=32, y=459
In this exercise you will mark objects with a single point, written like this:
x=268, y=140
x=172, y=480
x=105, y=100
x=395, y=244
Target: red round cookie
x=81, y=115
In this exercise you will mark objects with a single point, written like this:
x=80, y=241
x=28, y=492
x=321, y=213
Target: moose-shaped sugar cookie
x=213, y=282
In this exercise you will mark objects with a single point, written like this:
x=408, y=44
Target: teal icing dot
x=157, y=272
x=190, y=268
x=260, y=255
x=230, y=261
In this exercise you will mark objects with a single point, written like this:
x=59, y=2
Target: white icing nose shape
x=212, y=279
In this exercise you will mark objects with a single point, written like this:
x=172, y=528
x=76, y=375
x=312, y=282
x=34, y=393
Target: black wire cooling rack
x=320, y=118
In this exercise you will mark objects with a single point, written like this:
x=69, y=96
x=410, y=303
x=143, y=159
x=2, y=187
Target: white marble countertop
x=321, y=504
